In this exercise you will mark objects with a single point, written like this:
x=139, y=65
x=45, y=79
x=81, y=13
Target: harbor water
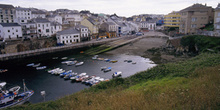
x=55, y=86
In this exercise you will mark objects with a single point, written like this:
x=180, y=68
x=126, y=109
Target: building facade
x=195, y=17
x=84, y=32
x=93, y=27
x=110, y=28
x=172, y=20
x=68, y=36
x=7, y=13
x=10, y=31
x=43, y=27
x=217, y=21
x=55, y=18
x=23, y=15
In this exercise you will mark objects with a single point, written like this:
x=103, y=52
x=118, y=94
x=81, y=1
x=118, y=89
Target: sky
x=126, y=8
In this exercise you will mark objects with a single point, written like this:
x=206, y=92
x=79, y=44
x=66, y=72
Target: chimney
x=205, y=4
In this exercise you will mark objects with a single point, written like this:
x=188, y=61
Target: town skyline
x=126, y=8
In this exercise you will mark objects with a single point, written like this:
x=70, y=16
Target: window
x=63, y=37
x=67, y=37
x=47, y=30
x=22, y=21
x=16, y=30
x=193, y=26
x=8, y=30
x=194, y=19
x=38, y=25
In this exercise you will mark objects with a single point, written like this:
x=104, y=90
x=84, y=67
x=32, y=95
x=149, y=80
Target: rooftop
x=81, y=26
x=40, y=20
x=68, y=31
x=9, y=24
x=6, y=6
x=196, y=7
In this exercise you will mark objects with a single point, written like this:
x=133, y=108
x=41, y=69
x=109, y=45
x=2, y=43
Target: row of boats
x=37, y=66
x=82, y=77
x=104, y=59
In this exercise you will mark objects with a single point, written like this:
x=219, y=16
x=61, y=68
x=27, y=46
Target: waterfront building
x=7, y=13
x=194, y=17
x=84, y=32
x=43, y=27
x=10, y=31
x=148, y=25
x=29, y=29
x=38, y=13
x=109, y=28
x=75, y=18
x=68, y=36
x=93, y=26
x=55, y=27
x=172, y=20
x=217, y=21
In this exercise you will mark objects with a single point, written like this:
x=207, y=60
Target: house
x=55, y=18
x=38, y=13
x=194, y=17
x=10, y=31
x=217, y=21
x=110, y=28
x=172, y=20
x=23, y=14
x=76, y=18
x=68, y=36
x=84, y=32
x=148, y=25
x=29, y=29
x=7, y=13
x=55, y=27
x=43, y=27
x=93, y=26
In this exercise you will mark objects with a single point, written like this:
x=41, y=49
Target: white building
x=38, y=13
x=55, y=27
x=148, y=25
x=10, y=31
x=55, y=18
x=74, y=17
x=43, y=27
x=23, y=14
x=29, y=29
x=68, y=36
x=84, y=32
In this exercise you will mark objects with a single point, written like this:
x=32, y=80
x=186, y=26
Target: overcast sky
x=125, y=8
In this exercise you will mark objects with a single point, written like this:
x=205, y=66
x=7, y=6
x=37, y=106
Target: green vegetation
x=208, y=27
x=98, y=50
x=198, y=43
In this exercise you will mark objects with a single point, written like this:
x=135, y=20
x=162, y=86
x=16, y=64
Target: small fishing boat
x=3, y=70
x=64, y=58
x=71, y=63
x=65, y=73
x=68, y=76
x=11, y=97
x=107, y=69
x=81, y=78
x=94, y=57
x=50, y=71
x=78, y=76
x=31, y=64
x=129, y=61
x=103, y=68
x=36, y=65
x=55, y=58
x=58, y=72
x=86, y=79
x=134, y=63
x=100, y=59
x=66, y=62
x=40, y=68
x=72, y=59
x=116, y=74
x=114, y=61
x=79, y=63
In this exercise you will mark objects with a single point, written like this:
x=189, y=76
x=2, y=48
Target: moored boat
x=71, y=63
x=116, y=74
x=65, y=73
x=11, y=97
x=107, y=69
x=36, y=65
x=79, y=63
x=31, y=64
x=68, y=76
x=40, y=68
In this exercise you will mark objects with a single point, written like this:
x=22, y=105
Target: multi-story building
x=10, y=31
x=93, y=26
x=38, y=13
x=76, y=18
x=55, y=27
x=55, y=18
x=217, y=21
x=194, y=17
x=110, y=28
x=23, y=14
x=7, y=13
x=84, y=32
x=43, y=27
x=68, y=36
x=172, y=20
x=148, y=25
x=29, y=29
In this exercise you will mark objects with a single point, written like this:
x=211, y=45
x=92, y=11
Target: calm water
x=55, y=86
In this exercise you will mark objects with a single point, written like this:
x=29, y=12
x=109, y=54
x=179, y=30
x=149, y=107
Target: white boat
x=78, y=76
x=59, y=71
x=66, y=62
x=95, y=57
x=107, y=69
x=103, y=68
x=36, y=65
x=50, y=71
x=40, y=68
x=71, y=63
x=116, y=74
x=79, y=64
x=64, y=58
x=11, y=97
x=31, y=64
x=86, y=79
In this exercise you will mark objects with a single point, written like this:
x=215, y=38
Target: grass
x=191, y=84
